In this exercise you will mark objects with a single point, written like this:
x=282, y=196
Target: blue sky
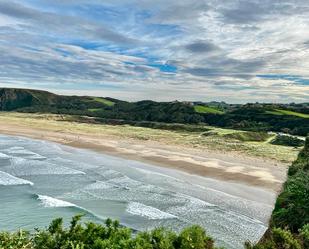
x=235, y=51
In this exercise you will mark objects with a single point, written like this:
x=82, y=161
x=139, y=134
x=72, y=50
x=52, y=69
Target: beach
x=145, y=178
x=223, y=165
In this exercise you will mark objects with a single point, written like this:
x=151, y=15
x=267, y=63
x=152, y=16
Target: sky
x=235, y=51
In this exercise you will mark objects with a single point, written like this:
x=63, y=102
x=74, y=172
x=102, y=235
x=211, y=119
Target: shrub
x=287, y=141
x=247, y=136
x=17, y=240
x=280, y=238
x=108, y=236
x=292, y=209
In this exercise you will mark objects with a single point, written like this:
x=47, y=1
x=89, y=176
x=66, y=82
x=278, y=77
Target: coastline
x=227, y=166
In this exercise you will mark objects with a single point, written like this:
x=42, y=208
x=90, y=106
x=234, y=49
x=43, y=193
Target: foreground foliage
x=280, y=238
x=292, y=206
x=290, y=219
x=111, y=236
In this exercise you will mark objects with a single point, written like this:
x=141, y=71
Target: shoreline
x=227, y=166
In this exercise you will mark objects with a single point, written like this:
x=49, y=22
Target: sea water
x=40, y=181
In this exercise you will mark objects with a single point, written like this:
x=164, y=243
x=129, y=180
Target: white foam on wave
x=125, y=182
x=152, y=173
x=76, y=164
x=19, y=150
x=190, y=206
x=15, y=150
x=50, y=202
x=7, y=179
x=110, y=174
x=99, y=185
x=149, y=212
x=22, y=166
x=193, y=201
x=35, y=157
x=4, y=156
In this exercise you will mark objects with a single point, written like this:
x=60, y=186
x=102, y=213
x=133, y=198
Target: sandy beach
x=229, y=166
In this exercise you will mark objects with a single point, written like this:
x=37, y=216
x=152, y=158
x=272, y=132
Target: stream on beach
x=40, y=181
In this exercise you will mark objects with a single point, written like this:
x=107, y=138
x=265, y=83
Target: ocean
x=40, y=181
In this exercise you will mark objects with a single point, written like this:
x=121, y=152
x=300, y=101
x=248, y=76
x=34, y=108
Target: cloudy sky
x=233, y=50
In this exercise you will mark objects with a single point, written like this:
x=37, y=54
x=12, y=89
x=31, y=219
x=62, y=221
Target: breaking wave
x=151, y=213
x=51, y=202
x=7, y=179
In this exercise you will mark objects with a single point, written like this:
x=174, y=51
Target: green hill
x=287, y=118
x=207, y=109
x=288, y=112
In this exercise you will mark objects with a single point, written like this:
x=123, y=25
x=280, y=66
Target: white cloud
x=218, y=48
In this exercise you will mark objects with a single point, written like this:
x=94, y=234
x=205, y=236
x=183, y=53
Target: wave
x=51, y=202
x=22, y=151
x=109, y=173
x=151, y=173
x=14, y=148
x=193, y=201
x=71, y=164
x=99, y=185
x=7, y=180
x=125, y=182
x=149, y=212
x=21, y=166
x=4, y=156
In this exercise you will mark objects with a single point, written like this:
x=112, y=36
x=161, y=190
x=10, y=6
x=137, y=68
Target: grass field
x=103, y=101
x=95, y=109
x=287, y=112
x=218, y=140
x=207, y=109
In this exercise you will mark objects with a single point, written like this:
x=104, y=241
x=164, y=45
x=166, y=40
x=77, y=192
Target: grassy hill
x=288, y=112
x=207, y=109
x=288, y=118
x=35, y=100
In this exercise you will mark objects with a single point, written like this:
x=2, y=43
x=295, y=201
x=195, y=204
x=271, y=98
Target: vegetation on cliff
x=289, y=225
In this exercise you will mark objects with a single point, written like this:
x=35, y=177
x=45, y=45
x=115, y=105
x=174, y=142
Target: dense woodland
x=288, y=118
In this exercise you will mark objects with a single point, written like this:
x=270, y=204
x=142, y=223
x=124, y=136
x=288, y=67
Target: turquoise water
x=40, y=181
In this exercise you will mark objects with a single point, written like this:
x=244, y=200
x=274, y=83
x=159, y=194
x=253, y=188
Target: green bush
x=292, y=209
x=304, y=233
x=302, y=162
x=247, y=136
x=280, y=238
x=288, y=141
x=289, y=226
x=108, y=236
x=17, y=240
